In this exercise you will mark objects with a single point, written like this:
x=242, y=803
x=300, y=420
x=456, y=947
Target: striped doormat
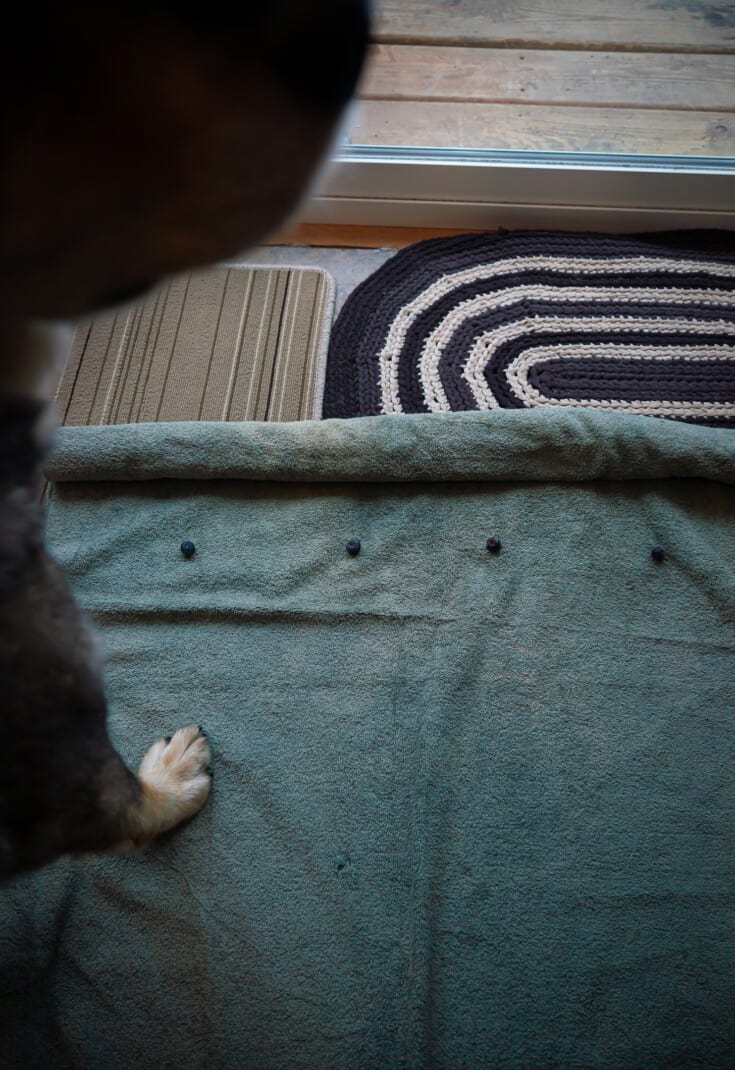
x=238, y=343
x=642, y=325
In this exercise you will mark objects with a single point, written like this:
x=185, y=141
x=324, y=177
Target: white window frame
x=486, y=189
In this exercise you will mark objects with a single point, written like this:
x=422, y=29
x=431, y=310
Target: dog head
x=142, y=139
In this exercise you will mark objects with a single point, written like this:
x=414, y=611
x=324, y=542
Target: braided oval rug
x=641, y=325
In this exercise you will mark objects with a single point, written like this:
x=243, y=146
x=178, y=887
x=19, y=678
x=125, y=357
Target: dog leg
x=65, y=790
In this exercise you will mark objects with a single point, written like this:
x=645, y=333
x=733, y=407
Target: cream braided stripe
x=489, y=342
x=389, y=355
x=436, y=343
x=518, y=371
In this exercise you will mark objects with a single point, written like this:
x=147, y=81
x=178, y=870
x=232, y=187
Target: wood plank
x=538, y=128
x=651, y=25
x=333, y=236
x=513, y=76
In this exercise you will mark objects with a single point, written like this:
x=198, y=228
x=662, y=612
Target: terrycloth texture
x=512, y=446
x=641, y=325
x=470, y=810
x=237, y=343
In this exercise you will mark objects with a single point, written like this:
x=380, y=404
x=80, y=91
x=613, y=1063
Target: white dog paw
x=175, y=782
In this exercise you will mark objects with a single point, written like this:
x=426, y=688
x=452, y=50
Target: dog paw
x=175, y=782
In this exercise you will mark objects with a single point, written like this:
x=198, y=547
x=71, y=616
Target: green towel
x=470, y=810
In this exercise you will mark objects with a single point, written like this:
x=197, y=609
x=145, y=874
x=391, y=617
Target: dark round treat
x=353, y=547
x=188, y=549
x=493, y=545
x=657, y=554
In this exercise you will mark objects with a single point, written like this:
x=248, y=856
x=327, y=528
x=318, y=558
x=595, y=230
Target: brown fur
x=148, y=138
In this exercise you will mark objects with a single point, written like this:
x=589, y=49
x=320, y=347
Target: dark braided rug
x=642, y=324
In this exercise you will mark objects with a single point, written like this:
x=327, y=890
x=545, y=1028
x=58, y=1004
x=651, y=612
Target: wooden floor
x=612, y=76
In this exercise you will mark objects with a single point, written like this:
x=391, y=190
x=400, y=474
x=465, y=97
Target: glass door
x=620, y=77
x=594, y=97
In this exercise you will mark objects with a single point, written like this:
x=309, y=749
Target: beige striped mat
x=238, y=343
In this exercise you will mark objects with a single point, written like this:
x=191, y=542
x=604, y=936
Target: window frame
x=484, y=189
